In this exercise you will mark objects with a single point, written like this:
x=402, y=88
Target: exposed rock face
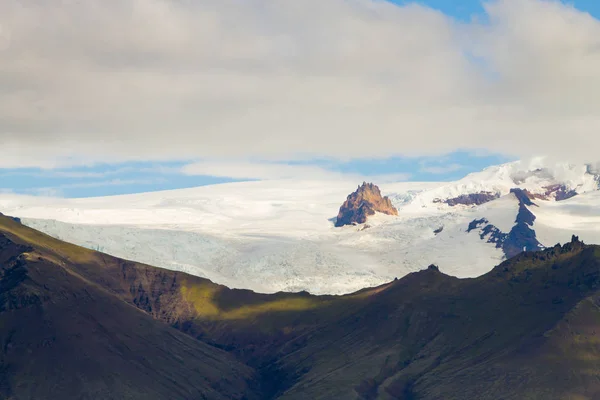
x=520, y=238
x=557, y=192
x=523, y=196
x=471, y=199
x=362, y=203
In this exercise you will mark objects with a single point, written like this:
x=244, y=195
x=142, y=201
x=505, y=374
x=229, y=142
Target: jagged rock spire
x=365, y=201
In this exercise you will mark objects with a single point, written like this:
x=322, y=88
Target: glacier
x=272, y=236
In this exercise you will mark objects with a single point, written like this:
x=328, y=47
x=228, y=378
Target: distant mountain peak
x=551, y=182
x=362, y=203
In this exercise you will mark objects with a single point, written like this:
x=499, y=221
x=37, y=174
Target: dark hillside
x=79, y=324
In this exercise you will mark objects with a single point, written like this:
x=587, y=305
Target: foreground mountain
x=363, y=203
x=79, y=324
x=280, y=236
x=67, y=333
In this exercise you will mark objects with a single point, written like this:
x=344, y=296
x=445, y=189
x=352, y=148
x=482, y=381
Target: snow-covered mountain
x=280, y=235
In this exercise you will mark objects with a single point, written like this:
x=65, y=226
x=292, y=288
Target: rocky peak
x=574, y=245
x=433, y=267
x=362, y=203
x=524, y=196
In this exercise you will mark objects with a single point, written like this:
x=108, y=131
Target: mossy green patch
x=203, y=298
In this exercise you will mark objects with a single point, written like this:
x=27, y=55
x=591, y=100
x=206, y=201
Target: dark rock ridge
x=557, y=192
x=488, y=232
x=471, y=199
x=362, y=203
x=523, y=196
x=433, y=267
x=16, y=219
x=561, y=192
x=520, y=238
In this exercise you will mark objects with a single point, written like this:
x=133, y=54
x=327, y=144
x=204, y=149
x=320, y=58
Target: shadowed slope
x=64, y=337
x=526, y=330
x=509, y=335
x=38, y=270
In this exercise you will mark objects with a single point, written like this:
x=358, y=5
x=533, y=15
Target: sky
x=464, y=10
x=101, y=98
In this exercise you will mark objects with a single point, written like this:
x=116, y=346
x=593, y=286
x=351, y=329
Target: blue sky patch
x=466, y=10
x=106, y=180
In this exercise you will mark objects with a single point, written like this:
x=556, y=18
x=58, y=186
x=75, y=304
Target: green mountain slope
x=102, y=327
x=64, y=337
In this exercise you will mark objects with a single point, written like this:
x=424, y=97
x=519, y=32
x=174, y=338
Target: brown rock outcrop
x=362, y=203
x=471, y=199
x=556, y=192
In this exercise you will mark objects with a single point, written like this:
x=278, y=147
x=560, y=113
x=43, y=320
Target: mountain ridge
x=425, y=336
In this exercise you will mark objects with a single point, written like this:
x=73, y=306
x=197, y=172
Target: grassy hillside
x=64, y=337
x=526, y=330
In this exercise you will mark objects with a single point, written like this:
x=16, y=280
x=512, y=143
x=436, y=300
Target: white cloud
x=90, y=81
x=75, y=173
x=273, y=171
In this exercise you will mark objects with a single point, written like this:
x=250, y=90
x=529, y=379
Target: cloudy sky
x=117, y=96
